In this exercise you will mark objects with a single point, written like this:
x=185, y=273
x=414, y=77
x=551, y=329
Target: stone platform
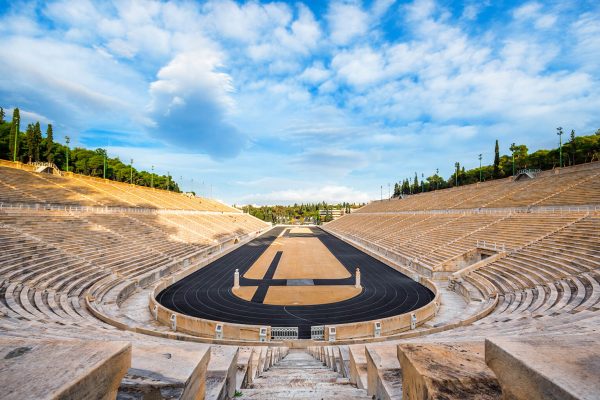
x=62, y=369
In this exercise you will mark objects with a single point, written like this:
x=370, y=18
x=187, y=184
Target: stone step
x=346, y=393
x=298, y=383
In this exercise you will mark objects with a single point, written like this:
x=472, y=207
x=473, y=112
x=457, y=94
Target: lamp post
x=152, y=178
x=422, y=184
x=480, y=167
x=17, y=128
x=104, y=175
x=456, y=165
x=131, y=171
x=513, y=147
x=68, y=140
x=389, y=195
x=381, y=194
x=168, y=180
x=559, y=133
x=437, y=178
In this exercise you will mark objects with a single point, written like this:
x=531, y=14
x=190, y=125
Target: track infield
x=208, y=293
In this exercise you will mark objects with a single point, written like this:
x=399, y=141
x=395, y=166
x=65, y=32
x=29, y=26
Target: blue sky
x=282, y=102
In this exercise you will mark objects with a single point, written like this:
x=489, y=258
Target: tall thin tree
x=49, y=144
x=13, y=144
x=496, y=170
x=29, y=140
x=2, y=114
x=37, y=141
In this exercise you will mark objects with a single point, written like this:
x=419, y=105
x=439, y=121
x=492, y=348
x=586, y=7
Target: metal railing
x=284, y=333
x=507, y=210
x=317, y=332
x=482, y=244
x=108, y=210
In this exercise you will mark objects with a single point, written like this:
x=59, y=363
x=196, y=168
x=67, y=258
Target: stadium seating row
x=572, y=186
x=22, y=185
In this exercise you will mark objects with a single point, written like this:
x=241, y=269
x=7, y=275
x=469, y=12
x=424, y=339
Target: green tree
x=496, y=171
x=13, y=144
x=415, y=187
x=29, y=141
x=2, y=115
x=37, y=141
x=49, y=144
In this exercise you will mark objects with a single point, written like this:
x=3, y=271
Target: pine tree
x=496, y=171
x=49, y=144
x=2, y=115
x=14, y=135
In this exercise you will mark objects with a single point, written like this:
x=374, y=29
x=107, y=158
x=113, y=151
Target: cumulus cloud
x=190, y=101
x=346, y=22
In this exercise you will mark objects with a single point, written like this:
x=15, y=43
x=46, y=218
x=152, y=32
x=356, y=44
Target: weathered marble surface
x=446, y=371
x=61, y=369
x=546, y=367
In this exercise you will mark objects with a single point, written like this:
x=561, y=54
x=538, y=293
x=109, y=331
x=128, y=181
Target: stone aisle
x=300, y=376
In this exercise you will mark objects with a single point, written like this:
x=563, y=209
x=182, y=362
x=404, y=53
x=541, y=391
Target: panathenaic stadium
x=485, y=291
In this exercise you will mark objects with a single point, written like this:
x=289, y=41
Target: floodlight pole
x=68, y=140
x=513, y=148
x=131, y=171
x=560, y=133
x=479, y=167
x=17, y=128
x=152, y=178
x=104, y=163
x=422, y=183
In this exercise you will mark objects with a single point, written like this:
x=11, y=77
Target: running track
x=207, y=292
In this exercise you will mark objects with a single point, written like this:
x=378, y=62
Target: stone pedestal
x=357, y=284
x=62, y=369
x=548, y=367
x=236, y=279
x=452, y=371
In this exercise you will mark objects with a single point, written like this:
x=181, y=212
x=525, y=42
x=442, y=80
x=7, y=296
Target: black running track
x=207, y=293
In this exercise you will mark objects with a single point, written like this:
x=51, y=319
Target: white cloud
x=316, y=73
x=328, y=193
x=346, y=22
x=190, y=102
x=360, y=66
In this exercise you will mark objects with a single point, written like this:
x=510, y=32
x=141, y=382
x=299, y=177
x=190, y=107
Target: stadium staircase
x=300, y=376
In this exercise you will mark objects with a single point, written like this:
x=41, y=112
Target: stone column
x=236, y=279
x=357, y=284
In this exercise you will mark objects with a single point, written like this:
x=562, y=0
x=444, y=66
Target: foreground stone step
x=350, y=393
x=560, y=367
x=451, y=371
x=62, y=369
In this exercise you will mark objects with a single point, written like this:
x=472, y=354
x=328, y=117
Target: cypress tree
x=37, y=141
x=49, y=144
x=2, y=115
x=14, y=134
x=416, y=184
x=496, y=171
x=29, y=140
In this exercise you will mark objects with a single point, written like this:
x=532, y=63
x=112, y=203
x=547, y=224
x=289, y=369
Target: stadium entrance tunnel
x=262, y=303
